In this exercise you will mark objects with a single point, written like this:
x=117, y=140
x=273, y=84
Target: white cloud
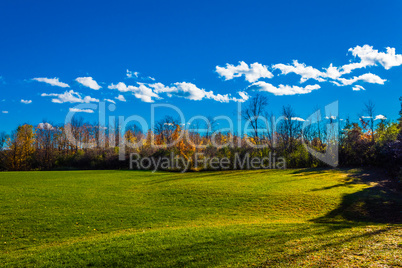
x=120, y=87
x=380, y=117
x=330, y=117
x=184, y=90
x=161, y=88
x=366, y=54
x=149, y=92
x=70, y=96
x=144, y=93
x=371, y=57
x=89, y=111
x=244, y=96
x=192, y=92
x=5, y=112
x=51, y=81
x=332, y=72
x=298, y=119
x=109, y=100
x=141, y=92
x=26, y=101
x=252, y=73
x=282, y=89
x=368, y=77
x=306, y=72
x=121, y=98
x=88, y=82
x=45, y=126
x=358, y=87
x=131, y=74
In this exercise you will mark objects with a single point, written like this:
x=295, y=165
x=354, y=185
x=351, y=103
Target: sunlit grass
x=234, y=218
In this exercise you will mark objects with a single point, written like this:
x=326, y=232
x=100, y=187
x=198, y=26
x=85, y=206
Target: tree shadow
x=380, y=203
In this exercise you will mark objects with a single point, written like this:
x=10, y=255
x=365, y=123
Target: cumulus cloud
x=282, y=89
x=368, y=77
x=89, y=111
x=243, y=96
x=4, y=112
x=144, y=93
x=121, y=98
x=366, y=55
x=88, y=82
x=51, y=81
x=330, y=117
x=45, y=126
x=297, y=119
x=184, y=90
x=252, y=73
x=192, y=92
x=380, y=117
x=131, y=74
x=111, y=101
x=150, y=92
x=371, y=57
x=358, y=87
x=141, y=92
x=120, y=87
x=26, y=101
x=70, y=96
x=306, y=72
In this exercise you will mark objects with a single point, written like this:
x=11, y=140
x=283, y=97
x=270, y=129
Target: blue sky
x=201, y=56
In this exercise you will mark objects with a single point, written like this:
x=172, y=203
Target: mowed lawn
x=263, y=218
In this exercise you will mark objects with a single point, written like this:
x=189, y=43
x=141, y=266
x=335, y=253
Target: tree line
x=367, y=142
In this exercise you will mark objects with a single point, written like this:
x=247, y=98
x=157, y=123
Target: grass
x=286, y=218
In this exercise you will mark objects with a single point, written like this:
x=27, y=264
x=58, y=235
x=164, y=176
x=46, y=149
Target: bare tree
x=253, y=111
x=210, y=126
x=76, y=127
x=290, y=128
x=369, y=110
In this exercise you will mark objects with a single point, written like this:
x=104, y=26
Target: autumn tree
x=21, y=146
x=164, y=130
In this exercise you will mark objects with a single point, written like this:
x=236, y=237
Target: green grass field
x=290, y=218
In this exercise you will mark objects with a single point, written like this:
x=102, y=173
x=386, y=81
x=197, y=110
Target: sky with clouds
x=204, y=57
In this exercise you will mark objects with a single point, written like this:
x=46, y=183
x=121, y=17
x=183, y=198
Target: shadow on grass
x=289, y=245
x=380, y=203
